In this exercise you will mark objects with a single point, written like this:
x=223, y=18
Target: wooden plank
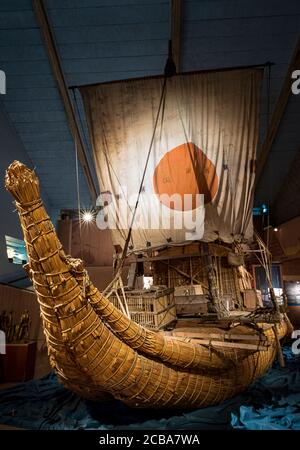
x=181, y=272
x=89, y=16
x=166, y=258
x=184, y=309
x=131, y=275
x=220, y=336
x=211, y=249
x=250, y=299
x=54, y=59
x=176, y=32
x=190, y=299
x=278, y=113
x=236, y=345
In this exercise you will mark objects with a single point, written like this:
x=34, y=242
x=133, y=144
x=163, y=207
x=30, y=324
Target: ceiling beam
x=176, y=9
x=54, y=59
x=278, y=112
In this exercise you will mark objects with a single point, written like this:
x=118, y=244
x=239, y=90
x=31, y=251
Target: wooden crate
x=152, y=308
x=190, y=300
x=169, y=276
x=18, y=363
x=250, y=299
x=228, y=301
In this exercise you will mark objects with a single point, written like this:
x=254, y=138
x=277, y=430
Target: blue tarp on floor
x=273, y=402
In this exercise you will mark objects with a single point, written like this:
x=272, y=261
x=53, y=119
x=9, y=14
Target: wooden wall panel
x=97, y=247
x=291, y=269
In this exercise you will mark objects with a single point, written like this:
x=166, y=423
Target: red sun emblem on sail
x=185, y=170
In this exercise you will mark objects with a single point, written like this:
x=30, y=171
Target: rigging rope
x=78, y=197
x=125, y=248
x=120, y=263
x=108, y=161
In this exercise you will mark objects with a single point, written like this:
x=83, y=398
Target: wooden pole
x=212, y=283
x=278, y=112
x=54, y=59
x=176, y=8
x=181, y=272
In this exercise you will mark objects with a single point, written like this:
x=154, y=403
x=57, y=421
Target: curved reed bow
x=97, y=351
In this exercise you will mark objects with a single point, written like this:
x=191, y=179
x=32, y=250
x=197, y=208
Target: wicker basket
x=154, y=308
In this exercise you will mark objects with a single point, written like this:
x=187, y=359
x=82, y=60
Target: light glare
x=87, y=217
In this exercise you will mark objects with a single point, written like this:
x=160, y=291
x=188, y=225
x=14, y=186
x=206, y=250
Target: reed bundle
x=96, y=350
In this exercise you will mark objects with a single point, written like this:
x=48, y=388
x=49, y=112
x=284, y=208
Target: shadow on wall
x=11, y=149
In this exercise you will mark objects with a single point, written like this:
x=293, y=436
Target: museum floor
x=273, y=402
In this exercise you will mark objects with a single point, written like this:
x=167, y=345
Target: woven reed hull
x=96, y=350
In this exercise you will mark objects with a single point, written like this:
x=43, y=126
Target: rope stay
x=121, y=260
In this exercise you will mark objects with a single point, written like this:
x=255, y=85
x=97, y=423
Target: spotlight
x=88, y=216
x=275, y=229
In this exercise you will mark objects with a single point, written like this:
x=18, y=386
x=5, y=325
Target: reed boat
x=98, y=352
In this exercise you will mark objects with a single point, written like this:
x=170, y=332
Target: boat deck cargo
x=153, y=308
x=97, y=350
